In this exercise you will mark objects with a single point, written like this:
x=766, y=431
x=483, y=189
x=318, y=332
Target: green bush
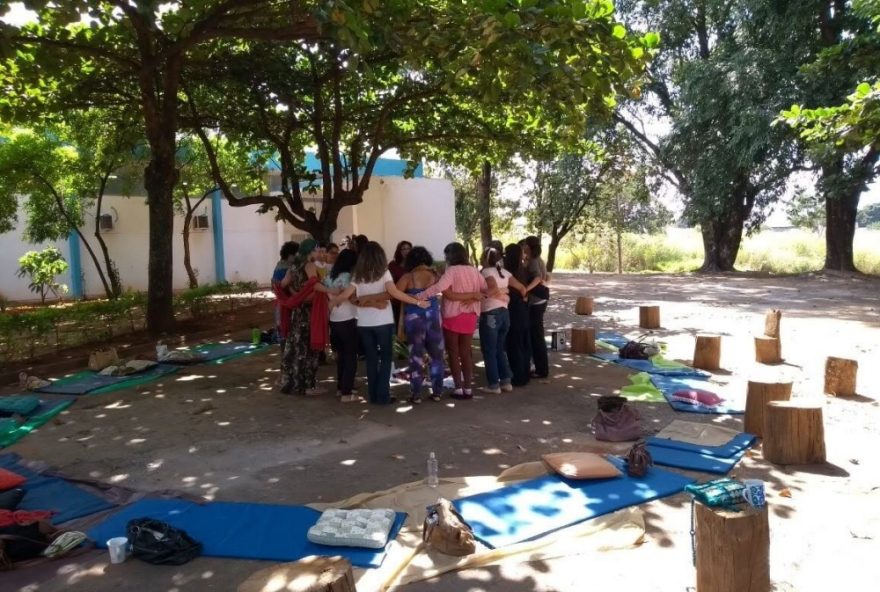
x=42, y=268
x=24, y=334
x=795, y=251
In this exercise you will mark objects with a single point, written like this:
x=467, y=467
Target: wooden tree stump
x=312, y=574
x=584, y=305
x=707, y=352
x=840, y=376
x=583, y=340
x=649, y=317
x=733, y=550
x=768, y=350
x=771, y=323
x=757, y=397
x=794, y=433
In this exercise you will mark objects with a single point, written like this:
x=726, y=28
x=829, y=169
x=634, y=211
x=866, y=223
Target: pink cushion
x=697, y=397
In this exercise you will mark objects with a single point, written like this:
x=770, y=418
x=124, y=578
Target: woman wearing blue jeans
x=372, y=283
x=495, y=322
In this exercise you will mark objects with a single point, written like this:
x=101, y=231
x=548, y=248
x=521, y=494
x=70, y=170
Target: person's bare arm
x=311, y=272
x=493, y=290
x=403, y=297
x=462, y=296
x=517, y=285
x=342, y=296
x=287, y=279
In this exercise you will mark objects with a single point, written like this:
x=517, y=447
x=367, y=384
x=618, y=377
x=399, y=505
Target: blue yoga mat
x=534, y=508
x=44, y=492
x=694, y=461
x=668, y=385
x=86, y=382
x=242, y=531
x=737, y=444
x=615, y=339
x=648, y=366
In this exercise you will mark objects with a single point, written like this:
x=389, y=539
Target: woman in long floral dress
x=299, y=362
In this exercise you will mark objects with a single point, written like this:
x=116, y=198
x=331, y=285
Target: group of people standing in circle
x=365, y=300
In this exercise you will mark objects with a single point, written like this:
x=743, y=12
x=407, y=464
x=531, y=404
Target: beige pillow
x=523, y=471
x=581, y=465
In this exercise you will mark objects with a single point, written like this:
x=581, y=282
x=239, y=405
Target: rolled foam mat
x=694, y=461
x=737, y=444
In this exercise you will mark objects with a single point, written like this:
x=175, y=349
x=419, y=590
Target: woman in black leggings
x=538, y=295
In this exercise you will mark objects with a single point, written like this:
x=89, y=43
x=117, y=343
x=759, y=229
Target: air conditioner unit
x=106, y=223
x=200, y=222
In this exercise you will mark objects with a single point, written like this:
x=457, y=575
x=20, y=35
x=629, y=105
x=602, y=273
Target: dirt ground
x=223, y=431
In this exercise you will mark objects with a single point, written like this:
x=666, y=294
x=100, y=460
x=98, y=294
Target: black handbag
x=159, y=543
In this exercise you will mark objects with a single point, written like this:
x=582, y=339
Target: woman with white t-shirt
x=343, y=326
x=371, y=279
x=495, y=321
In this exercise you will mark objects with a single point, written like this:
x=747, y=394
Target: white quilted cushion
x=353, y=528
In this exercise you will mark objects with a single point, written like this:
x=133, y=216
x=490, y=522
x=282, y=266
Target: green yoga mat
x=642, y=389
x=16, y=431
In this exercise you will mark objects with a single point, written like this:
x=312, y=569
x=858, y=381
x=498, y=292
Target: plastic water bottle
x=433, y=480
x=161, y=350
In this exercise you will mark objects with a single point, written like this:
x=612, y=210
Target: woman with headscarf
x=299, y=362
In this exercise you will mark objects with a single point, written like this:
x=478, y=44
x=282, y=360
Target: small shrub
x=43, y=267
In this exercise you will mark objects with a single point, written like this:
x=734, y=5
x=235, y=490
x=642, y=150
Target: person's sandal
x=415, y=400
x=314, y=392
x=490, y=390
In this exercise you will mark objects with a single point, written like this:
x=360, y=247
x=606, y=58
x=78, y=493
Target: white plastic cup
x=118, y=547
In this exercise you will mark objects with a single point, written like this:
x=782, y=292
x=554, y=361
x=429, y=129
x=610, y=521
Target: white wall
x=12, y=246
x=419, y=210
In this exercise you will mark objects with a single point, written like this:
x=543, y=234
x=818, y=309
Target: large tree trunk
x=840, y=229
x=721, y=241
x=722, y=235
x=160, y=176
x=484, y=197
x=551, y=250
x=842, y=191
x=187, y=263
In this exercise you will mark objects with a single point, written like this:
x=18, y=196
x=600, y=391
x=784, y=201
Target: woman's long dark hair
x=534, y=244
x=398, y=256
x=492, y=257
x=418, y=256
x=371, y=263
x=513, y=260
x=345, y=263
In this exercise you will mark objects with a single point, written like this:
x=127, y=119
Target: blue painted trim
x=217, y=227
x=76, y=277
x=385, y=167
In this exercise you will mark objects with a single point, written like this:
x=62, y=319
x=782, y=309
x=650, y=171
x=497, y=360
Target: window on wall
x=200, y=222
x=105, y=222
